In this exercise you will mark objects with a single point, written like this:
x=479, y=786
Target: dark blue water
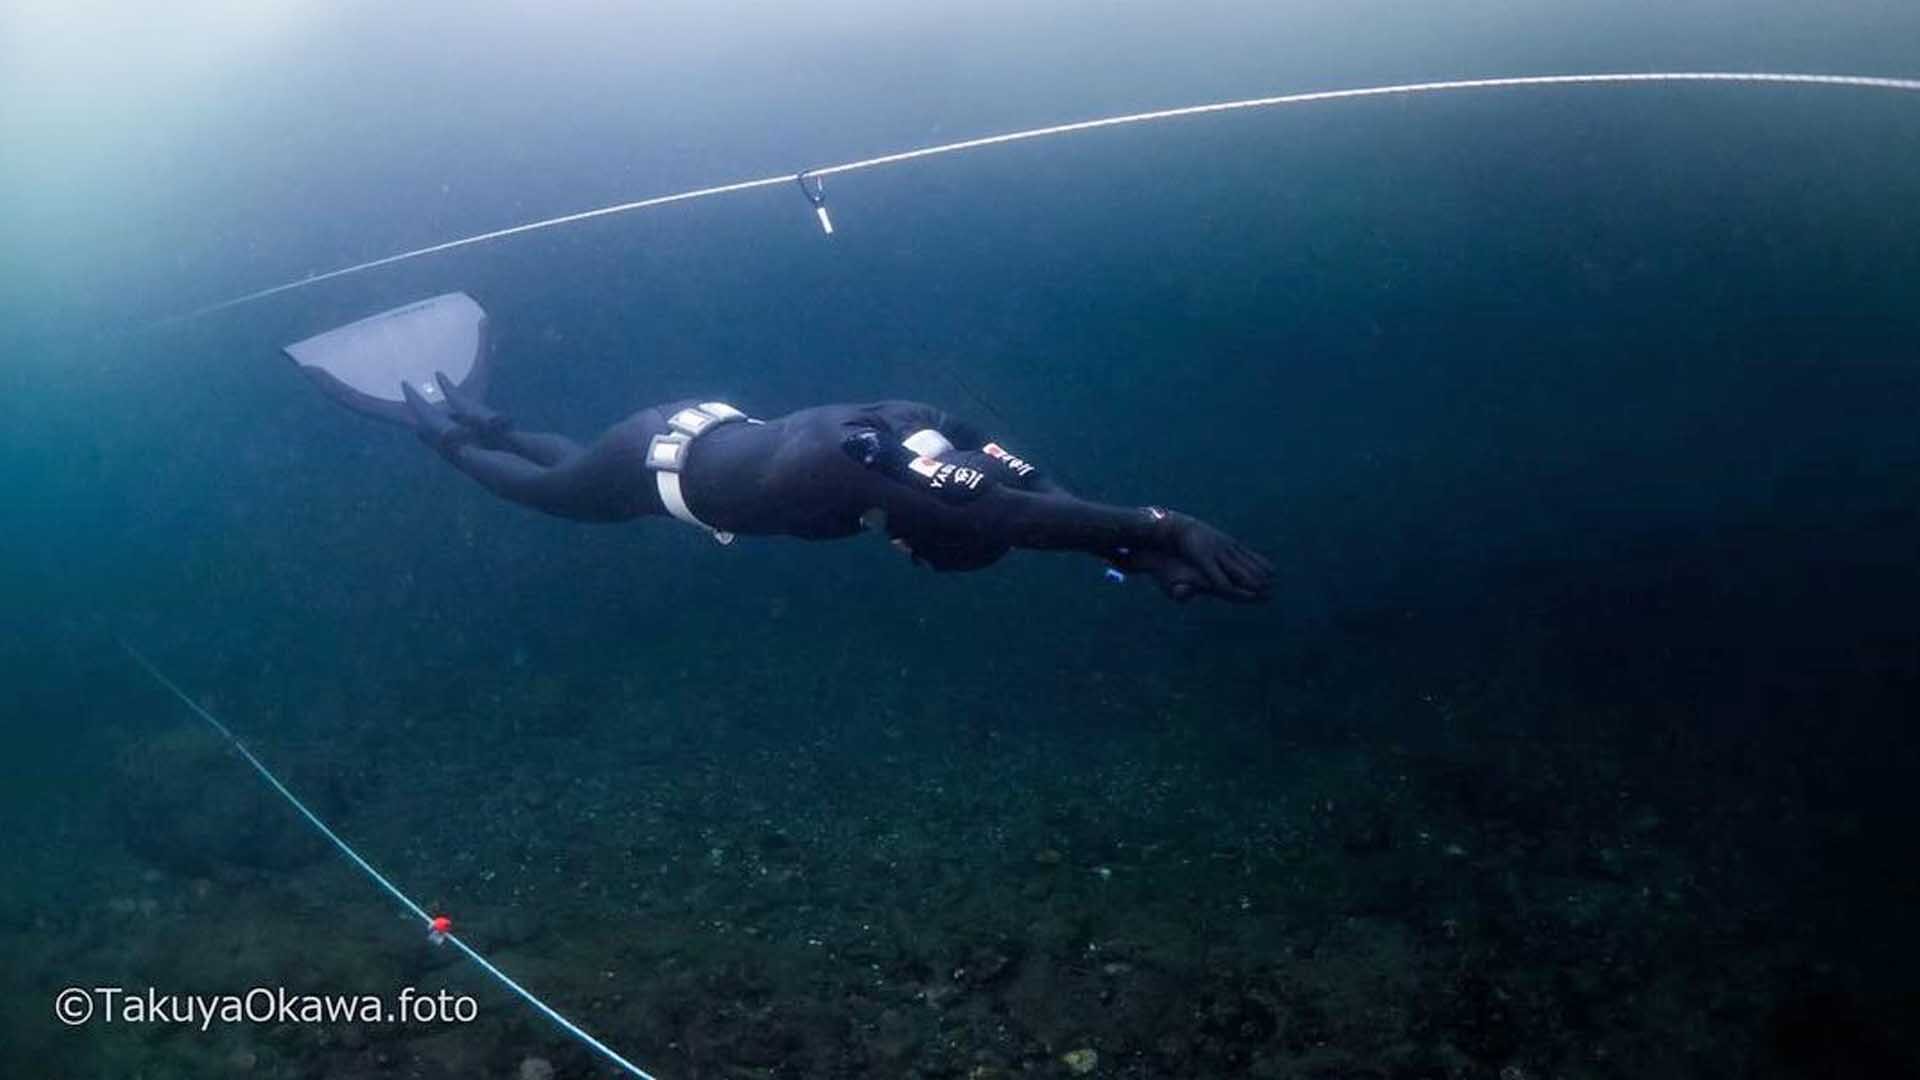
x=1578, y=422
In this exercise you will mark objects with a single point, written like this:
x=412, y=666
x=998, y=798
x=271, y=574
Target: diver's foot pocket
x=490, y=427
x=432, y=423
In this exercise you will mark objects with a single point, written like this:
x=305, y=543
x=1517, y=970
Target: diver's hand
x=1194, y=558
x=1177, y=579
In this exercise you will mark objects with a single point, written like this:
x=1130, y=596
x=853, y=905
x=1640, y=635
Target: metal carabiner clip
x=816, y=193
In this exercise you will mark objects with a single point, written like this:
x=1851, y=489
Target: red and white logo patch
x=1000, y=453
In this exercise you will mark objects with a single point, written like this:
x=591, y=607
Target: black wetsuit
x=821, y=473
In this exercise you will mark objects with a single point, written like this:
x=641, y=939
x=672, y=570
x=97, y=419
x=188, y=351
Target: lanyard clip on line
x=816, y=192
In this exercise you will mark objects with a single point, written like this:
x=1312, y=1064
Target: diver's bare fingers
x=1178, y=586
x=1219, y=575
x=1260, y=562
x=1237, y=566
x=1176, y=579
x=1234, y=594
x=1239, y=584
x=1248, y=573
x=1175, y=588
x=1246, y=556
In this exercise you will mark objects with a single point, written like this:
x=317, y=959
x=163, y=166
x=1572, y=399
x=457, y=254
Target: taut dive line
x=814, y=194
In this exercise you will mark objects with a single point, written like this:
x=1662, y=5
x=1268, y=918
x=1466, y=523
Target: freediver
x=939, y=489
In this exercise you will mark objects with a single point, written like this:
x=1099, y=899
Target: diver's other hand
x=1209, y=561
x=487, y=427
x=1177, y=578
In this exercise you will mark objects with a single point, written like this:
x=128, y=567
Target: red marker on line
x=438, y=929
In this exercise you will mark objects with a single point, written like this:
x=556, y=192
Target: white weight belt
x=667, y=455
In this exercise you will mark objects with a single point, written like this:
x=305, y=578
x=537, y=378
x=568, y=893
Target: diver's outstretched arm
x=1185, y=555
x=990, y=492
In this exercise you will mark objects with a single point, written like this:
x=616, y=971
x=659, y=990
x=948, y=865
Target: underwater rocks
x=186, y=804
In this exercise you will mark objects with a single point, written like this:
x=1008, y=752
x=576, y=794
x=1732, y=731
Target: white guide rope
x=379, y=879
x=1862, y=81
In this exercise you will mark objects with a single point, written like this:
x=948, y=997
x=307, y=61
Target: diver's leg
x=540, y=447
x=586, y=487
x=606, y=482
x=492, y=430
x=507, y=475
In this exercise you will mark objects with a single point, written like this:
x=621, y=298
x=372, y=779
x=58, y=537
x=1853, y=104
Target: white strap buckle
x=668, y=453
x=667, y=456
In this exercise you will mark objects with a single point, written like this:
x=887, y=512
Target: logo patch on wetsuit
x=999, y=453
x=954, y=479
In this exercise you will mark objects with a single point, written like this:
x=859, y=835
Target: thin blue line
x=393, y=890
